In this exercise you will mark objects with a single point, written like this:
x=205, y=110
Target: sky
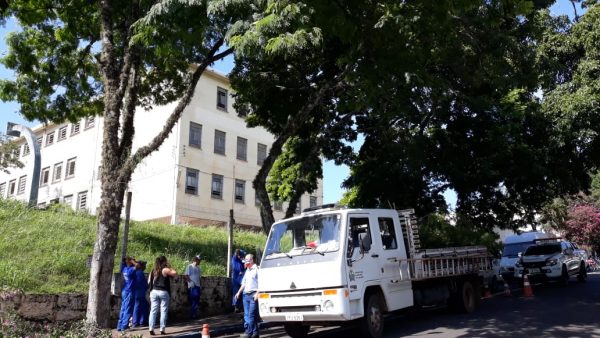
x=333, y=175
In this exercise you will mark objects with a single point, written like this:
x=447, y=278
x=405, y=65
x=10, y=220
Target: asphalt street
x=554, y=311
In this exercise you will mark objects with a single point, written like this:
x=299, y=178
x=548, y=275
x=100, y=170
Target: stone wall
x=215, y=299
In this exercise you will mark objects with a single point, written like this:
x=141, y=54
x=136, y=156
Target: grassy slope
x=46, y=251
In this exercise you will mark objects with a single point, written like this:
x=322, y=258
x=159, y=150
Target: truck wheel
x=467, y=298
x=582, y=276
x=371, y=325
x=564, y=277
x=296, y=330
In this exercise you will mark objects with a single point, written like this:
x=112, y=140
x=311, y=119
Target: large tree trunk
x=292, y=126
x=121, y=85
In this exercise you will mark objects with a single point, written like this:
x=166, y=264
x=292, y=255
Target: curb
x=226, y=329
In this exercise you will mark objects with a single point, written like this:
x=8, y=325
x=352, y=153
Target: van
x=513, y=246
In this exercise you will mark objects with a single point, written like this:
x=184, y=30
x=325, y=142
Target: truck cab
x=331, y=257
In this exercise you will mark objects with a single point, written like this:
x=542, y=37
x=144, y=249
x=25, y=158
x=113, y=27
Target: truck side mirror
x=365, y=242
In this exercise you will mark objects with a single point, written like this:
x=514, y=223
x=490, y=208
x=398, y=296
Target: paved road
x=554, y=311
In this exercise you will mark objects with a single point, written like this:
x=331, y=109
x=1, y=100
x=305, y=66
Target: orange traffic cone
x=205, y=331
x=527, y=290
x=486, y=293
x=506, y=289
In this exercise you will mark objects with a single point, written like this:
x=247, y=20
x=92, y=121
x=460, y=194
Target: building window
x=57, y=172
x=70, y=168
x=89, y=122
x=68, y=200
x=240, y=190
x=191, y=181
x=45, y=176
x=50, y=139
x=82, y=200
x=219, y=142
x=26, y=149
x=278, y=205
x=2, y=189
x=313, y=201
x=11, y=187
x=39, y=141
x=22, y=182
x=261, y=154
x=195, y=135
x=221, y=98
x=75, y=128
x=62, y=133
x=216, y=190
x=242, y=148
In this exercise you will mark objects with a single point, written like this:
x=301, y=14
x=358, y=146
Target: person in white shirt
x=192, y=276
x=249, y=289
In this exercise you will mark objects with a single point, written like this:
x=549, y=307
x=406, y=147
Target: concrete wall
x=215, y=299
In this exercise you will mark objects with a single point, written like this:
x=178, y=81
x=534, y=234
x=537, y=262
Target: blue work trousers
x=140, y=311
x=250, y=314
x=194, y=298
x=126, y=309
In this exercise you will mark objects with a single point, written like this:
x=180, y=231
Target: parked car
x=551, y=261
x=513, y=246
x=581, y=253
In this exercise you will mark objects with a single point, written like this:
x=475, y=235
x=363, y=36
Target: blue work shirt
x=128, y=273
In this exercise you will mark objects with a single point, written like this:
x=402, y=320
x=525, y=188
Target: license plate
x=534, y=270
x=294, y=317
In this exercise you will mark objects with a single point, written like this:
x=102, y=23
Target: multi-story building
x=204, y=168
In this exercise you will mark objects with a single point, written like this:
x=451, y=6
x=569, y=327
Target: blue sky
x=333, y=175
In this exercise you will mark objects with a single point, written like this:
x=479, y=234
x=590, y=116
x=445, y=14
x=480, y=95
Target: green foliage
x=435, y=231
x=13, y=326
x=9, y=155
x=46, y=250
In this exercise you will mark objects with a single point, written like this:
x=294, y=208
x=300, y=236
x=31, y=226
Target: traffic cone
x=486, y=293
x=506, y=289
x=205, y=331
x=527, y=290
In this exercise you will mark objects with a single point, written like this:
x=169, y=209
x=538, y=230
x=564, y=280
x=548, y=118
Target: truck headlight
x=263, y=307
x=552, y=261
x=328, y=306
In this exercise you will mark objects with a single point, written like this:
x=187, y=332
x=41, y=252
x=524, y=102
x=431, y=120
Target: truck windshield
x=546, y=249
x=512, y=250
x=308, y=235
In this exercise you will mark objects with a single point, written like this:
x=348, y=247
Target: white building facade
x=204, y=168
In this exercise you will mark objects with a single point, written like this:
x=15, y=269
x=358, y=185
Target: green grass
x=46, y=250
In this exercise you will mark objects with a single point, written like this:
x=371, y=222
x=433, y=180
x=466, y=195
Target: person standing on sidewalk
x=140, y=308
x=249, y=289
x=237, y=274
x=127, y=293
x=193, y=272
x=160, y=294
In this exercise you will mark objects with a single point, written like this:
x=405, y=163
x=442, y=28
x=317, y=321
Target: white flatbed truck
x=333, y=265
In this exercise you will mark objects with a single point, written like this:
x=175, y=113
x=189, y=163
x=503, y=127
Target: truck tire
x=296, y=330
x=582, y=276
x=468, y=297
x=371, y=325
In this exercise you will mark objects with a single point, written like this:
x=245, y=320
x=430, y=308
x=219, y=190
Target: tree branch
x=158, y=140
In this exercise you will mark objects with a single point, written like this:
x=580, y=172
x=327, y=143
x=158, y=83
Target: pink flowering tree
x=583, y=224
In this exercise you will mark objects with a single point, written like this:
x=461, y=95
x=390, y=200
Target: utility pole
x=230, y=241
x=126, y=227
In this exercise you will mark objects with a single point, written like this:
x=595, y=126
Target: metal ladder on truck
x=410, y=231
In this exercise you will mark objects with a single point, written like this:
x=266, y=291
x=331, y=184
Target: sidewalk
x=218, y=326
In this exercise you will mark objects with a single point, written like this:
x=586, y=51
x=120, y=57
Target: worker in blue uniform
x=140, y=287
x=127, y=293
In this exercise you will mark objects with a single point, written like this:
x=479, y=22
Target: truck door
x=391, y=251
x=362, y=264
